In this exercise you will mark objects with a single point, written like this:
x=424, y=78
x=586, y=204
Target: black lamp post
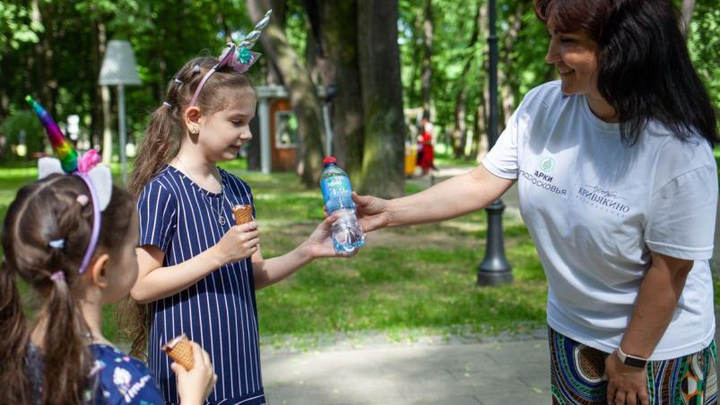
x=494, y=269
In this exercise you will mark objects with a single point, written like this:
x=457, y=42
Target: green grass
x=420, y=278
x=410, y=278
x=444, y=157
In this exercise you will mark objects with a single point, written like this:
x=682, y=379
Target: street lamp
x=119, y=69
x=494, y=269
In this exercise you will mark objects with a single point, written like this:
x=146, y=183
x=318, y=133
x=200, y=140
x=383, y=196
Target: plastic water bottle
x=335, y=184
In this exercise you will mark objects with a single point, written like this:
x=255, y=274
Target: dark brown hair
x=644, y=69
x=162, y=137
x=44, y=211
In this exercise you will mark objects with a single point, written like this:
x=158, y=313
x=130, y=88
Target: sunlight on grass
x=417, y=279
x=411, y=278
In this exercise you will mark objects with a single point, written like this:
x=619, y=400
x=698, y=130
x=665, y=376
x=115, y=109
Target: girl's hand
x=372, y=212
x=320, y=243
x=626, y=385
x=240, y=242
x=197, y=384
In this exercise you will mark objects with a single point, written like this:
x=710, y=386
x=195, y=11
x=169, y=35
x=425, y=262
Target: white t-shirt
x=595, y=208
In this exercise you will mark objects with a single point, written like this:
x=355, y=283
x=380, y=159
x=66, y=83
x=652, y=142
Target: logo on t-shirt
x=602, y=199
x=542, y=178
x=547, y=164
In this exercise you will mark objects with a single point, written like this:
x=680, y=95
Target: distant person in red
x=425, y=146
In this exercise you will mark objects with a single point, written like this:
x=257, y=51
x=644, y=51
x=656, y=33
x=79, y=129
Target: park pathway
x=492, y=373
x=496, y=371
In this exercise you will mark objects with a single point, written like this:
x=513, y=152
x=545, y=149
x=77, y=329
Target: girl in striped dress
x=198, y=271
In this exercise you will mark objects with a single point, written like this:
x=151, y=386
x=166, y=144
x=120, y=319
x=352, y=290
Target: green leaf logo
x=547, y=165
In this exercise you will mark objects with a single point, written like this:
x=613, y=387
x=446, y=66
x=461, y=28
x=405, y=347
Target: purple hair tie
x=96, y=223
x=57, y=276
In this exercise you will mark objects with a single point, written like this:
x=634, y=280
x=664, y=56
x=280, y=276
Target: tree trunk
x=273, y=75
x=340, y=43
x=253, y=149
x=107, y=136
x=687, y=11
x=481, y=141
x=37, y=61
x=459, y=134
x=312, y=60
x=303, y=97
x=383, y=152
x=415, y=91
x=49, y=83
x=460, y=127
x=40, y=63
x=107, y=121
x=98, y=49
x=279, y=8
x=4, y=99
x=428, y=110
x=315, y=57
x=507, y=100
x=509, y=83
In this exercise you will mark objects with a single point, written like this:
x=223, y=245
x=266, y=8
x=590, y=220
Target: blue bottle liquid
x=335, y=185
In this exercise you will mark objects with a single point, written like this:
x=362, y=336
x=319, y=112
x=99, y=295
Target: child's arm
x=155, y=281
x=319, y=244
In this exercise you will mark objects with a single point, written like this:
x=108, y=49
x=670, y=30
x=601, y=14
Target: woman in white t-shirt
x=618, y=187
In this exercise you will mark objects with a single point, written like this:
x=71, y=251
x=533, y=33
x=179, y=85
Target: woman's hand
x=240, y=242
x=372, y=212
x=320, y=244
x=626, y=385
x=197, y=384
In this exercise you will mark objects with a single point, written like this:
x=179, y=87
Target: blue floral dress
x=117, y=378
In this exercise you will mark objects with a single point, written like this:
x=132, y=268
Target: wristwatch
x=629, y=360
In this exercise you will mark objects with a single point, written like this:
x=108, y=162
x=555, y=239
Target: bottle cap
x=329, y=160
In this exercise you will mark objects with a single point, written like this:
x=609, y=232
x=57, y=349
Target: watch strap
x=630, y=360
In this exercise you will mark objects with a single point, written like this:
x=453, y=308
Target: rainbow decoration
x=61, y=146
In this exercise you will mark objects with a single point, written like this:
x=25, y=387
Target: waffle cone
x=242, y=214
x=180, y=350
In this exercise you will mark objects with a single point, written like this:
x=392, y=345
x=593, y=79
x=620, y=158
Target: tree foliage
x=704, y=46
x=53, y=49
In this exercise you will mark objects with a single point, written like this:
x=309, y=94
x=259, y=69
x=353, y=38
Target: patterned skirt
x=577, y=371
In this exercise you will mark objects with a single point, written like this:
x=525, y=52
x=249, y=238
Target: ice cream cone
x=242, y=214
x=180, y=350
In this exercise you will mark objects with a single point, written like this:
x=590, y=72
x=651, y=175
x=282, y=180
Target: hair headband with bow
x=97, y=178
x=239, y=57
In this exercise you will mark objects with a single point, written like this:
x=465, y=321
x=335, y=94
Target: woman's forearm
x=653, y=310
x=457, y=196
x=166, y=281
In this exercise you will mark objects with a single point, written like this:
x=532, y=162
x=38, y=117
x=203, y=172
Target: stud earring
x=194, y=129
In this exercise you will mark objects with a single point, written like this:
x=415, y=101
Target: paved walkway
x=506, y=371
x=452, y=374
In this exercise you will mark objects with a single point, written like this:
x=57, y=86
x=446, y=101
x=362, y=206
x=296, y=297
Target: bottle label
x=337, y=192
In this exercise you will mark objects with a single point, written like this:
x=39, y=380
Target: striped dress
x=219, y=312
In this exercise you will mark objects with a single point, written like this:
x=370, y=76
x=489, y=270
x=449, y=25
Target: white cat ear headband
x=97, y=177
